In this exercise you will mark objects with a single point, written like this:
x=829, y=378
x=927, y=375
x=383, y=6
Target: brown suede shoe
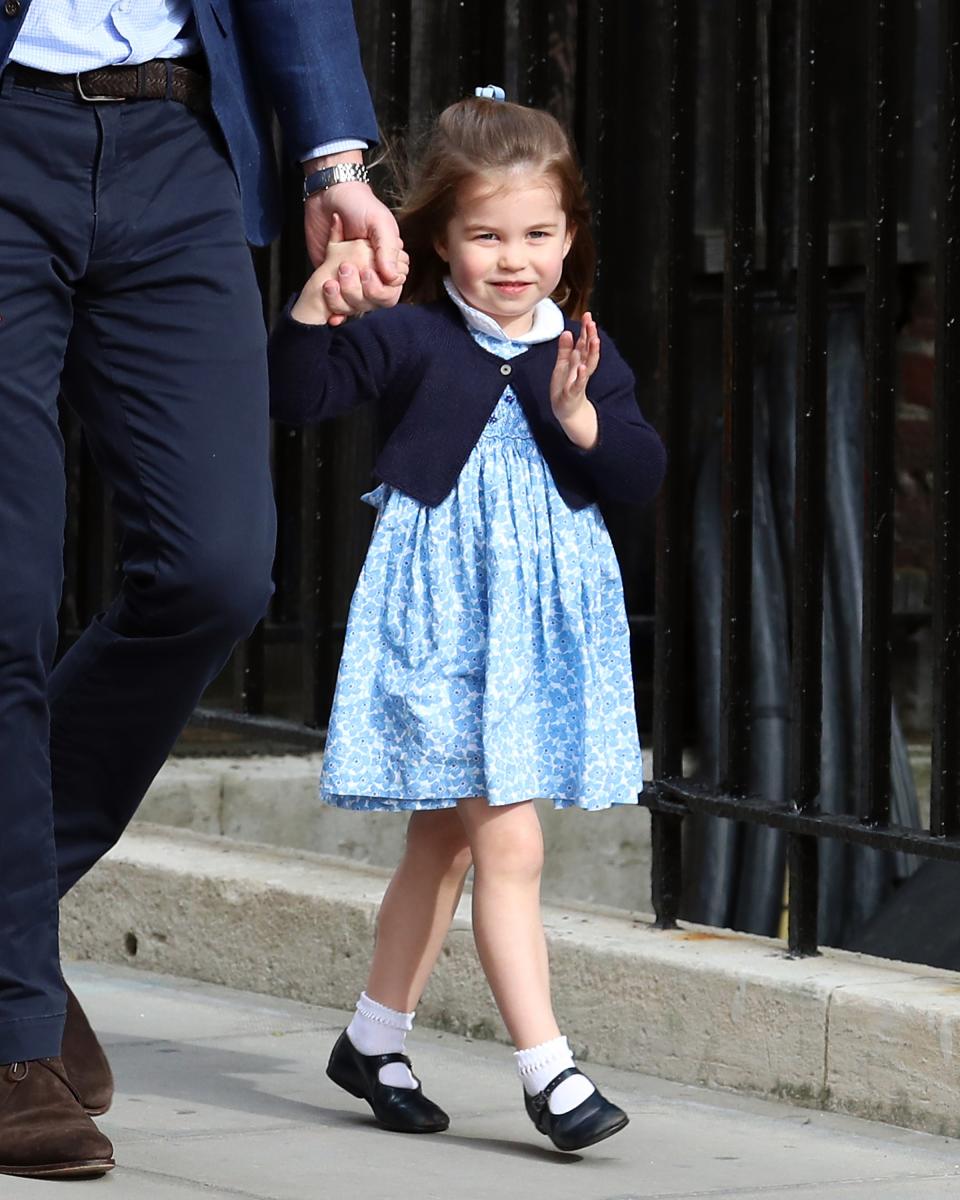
x=44, y=1132
x=84, y=1060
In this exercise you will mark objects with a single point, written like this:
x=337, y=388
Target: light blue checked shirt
x=67, y=36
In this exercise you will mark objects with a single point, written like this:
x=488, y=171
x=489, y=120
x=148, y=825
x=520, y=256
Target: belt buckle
x=96, y=99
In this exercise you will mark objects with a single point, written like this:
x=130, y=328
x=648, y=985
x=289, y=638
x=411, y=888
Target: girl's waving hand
x=568, y=384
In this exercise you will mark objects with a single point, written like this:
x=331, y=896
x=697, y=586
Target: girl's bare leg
x=507, y=847
x=418, y=907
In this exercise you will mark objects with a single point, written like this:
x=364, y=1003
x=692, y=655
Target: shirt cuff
x=337, y=147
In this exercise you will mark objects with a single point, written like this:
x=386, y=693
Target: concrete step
x=840, y=1032
x=597, y=858
x=594, y=858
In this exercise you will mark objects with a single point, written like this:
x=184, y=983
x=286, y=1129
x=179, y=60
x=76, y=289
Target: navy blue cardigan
x=440, y=388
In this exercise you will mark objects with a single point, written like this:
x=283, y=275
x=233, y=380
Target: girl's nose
x=511, y=258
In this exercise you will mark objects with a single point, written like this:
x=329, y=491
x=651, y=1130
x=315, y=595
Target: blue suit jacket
x=299, y=56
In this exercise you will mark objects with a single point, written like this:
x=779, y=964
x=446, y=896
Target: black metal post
x=737, y=473
x=780, y=216
x=803, y=868
x=591, y=120
x=945, y=780
x=675, y=404
x=666, y=881
x=811, y=411
x=249, y=673
x=880, y=399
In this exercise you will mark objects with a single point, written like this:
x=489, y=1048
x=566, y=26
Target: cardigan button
x=12, y=8
x=506, y=369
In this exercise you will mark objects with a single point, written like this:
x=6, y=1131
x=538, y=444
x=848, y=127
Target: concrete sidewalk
x=222, y=1095
x=841, y=1032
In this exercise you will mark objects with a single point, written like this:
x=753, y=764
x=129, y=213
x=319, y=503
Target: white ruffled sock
x=376, y=1029
x=538, y=1065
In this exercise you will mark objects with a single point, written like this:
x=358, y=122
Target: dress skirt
x=487, y=650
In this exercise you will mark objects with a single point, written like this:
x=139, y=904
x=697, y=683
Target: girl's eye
x=539, y=234
x=486, y=237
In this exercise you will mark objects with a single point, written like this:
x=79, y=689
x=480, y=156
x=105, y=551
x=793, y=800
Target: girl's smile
x=505, y=245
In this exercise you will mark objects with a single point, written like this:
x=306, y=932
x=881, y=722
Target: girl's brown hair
x=476, y=136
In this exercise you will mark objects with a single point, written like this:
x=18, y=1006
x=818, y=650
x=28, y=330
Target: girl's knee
x=440, y=837
x=520, y=859
x=507, y=842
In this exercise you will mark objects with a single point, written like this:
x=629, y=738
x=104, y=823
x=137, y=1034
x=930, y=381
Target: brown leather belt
x=158, y=79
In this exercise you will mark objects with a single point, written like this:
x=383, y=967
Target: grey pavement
x=221, y=1094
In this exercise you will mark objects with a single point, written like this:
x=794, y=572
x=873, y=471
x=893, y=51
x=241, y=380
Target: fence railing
x=801, y=816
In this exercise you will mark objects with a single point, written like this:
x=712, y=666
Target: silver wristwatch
x=326, y=177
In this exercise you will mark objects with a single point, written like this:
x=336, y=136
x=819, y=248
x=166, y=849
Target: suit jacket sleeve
x=320, y=371
x=309, y=57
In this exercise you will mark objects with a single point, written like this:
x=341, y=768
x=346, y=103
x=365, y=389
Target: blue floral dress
x=487, y=650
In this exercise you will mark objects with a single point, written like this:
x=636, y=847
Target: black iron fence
x=808, y=814
x=762, y=177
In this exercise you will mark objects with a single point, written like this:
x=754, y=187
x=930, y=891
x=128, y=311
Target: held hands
x=360, y=215
x=568, y=384
x=341, y=286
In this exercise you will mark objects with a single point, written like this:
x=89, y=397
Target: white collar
x=547, y=319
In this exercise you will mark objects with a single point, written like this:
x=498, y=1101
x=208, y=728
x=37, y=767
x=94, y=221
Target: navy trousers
x=125, y=282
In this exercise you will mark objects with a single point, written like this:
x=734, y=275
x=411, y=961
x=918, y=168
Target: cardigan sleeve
x=321, y=371
x=628, y=461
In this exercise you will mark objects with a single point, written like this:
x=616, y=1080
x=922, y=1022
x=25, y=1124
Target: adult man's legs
x=46, y=221
x=166, y=368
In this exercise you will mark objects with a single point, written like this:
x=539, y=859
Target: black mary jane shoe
x=591, y=1121
x=400, y=1109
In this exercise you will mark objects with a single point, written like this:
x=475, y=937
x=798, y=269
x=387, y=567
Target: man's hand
x=568, y=384
x=362, y=217
x=336, y=289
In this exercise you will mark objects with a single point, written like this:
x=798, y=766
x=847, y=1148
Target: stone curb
x=841, y=1031
x=272, y=800
x=594, y=858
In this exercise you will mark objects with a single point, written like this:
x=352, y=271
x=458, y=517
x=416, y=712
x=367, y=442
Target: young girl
x=487, y=658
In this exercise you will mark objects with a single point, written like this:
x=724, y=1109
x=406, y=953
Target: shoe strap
x=557, y=1080
x=381, y=1060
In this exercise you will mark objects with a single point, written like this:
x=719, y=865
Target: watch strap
x=326, y=177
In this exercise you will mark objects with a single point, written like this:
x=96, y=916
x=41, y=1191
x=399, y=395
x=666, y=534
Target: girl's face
x=505, y=245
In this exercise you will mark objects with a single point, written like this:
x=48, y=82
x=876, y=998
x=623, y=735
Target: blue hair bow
x=490, y=92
